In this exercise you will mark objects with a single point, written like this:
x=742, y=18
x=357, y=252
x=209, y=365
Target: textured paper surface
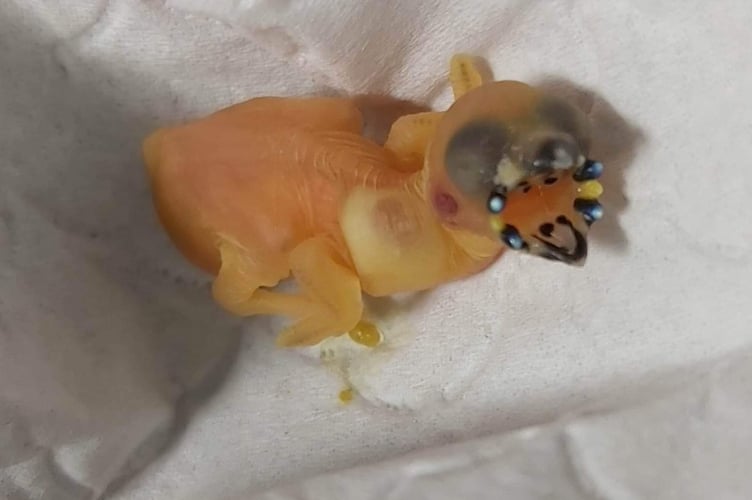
x=112, y=357
x=689, y=443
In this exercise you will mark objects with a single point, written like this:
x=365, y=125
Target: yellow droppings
x=590, y=190
x=496, y=223
x=346, y=395
x=366, y=334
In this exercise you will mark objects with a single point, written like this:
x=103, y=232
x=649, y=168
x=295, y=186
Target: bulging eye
x=473, y=155
x=564, y=118
x=554, y=152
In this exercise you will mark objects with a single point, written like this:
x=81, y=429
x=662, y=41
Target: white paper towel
x=641, y=451
x=109, y=343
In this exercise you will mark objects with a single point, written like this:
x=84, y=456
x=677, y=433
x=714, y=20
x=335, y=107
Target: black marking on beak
x=555, y=252
x=546, y=229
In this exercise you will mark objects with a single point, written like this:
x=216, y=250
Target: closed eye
x=473, y=154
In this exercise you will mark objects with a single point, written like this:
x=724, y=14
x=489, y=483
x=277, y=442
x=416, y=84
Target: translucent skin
x=274, y=187
x=482, y=103
x=278, y=186
x=267, y=174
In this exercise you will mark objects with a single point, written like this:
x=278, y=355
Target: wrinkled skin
x=274, y=187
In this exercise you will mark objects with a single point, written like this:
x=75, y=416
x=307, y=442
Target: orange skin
x=274, y=187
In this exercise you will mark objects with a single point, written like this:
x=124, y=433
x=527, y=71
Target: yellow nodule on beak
x=497, y=224
x=590, y=190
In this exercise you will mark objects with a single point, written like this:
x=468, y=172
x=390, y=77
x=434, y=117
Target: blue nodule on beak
x=496, y=203
x=511, y=238
x=589, y=171
x=591, y=210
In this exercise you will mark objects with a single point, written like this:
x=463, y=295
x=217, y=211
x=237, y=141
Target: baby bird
x=278, y=187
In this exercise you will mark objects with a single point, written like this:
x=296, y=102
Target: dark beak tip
x=583, y=254
x=569, y=261
x=580, y=263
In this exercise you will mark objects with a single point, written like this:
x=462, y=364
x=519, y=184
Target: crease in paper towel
x=676, y=445
x=92, y=362
x=275, y=38
x=78, y=19
x=357, y=57
x=555, y=365
x=578, y=456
